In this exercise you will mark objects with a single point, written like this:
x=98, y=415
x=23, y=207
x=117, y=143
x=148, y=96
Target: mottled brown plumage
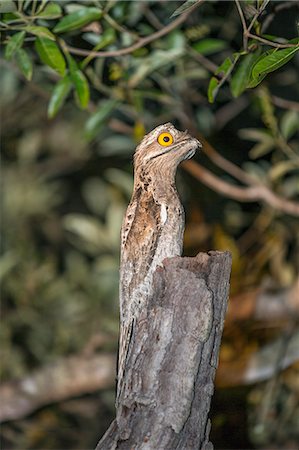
x=153, y=226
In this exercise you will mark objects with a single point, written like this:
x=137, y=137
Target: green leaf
x=209, y=46
x=41, y=32
x=282, y=168
x=184, y=7
x=25, y=64
x=272, y=61
x=212, y=89
x=14, y=44
x=255, y=134
x=72, y=64
x=289, y=124
x=50, y=54
x=262, y=149
x=253, y=82
x=59, y=95
x=81, y=87
x=51, y=11
x=158, y=58
x=105, y=39
x=241, y=76
x=78, y=19
x=224, y=67
x=97, y=120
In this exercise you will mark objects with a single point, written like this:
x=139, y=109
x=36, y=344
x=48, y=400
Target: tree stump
x=171, y=368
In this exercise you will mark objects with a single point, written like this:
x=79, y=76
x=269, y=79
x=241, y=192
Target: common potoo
x=153, y=226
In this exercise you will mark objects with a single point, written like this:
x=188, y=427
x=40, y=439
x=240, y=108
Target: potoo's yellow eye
x=165, y=139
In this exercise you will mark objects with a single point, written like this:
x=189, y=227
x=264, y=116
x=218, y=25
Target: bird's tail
x=125, y=337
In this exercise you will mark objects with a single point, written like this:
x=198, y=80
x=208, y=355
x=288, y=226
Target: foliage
x=81, y=83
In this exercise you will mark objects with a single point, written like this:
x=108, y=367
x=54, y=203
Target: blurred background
x=70, y=124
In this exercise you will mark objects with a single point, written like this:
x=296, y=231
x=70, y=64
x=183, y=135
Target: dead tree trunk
x=172, y=365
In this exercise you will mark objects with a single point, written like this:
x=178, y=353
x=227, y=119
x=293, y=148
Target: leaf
x=59, y=94
x=102, y=41
x=121, y=179
x=255, y=134
x=14, y=44
x=213, y=87
x=78, y=19
x=87, y=233
x=225, y=241
x=281, y=168
x=73, y=66
x=157, y=59
x=253, y=82
x=41, y=32
x=105, y=39
x=97, y=119
x=50, y=54
x=184, y=7
x=224, y=67
x=289, y=124
x=241, y=76
x=118, y=144
x=81, y=88
x=262, y=149
x=209, y=46
x=25, y=64
x=51, y=11
x=273, y=61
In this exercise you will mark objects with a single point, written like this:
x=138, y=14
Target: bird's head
x=164, y=148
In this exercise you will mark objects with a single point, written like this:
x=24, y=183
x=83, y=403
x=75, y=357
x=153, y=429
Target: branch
x=209, y=65
x=240, y=11
x=66, y=378
x=270, y=43
x=285, y=104
x=255, y=191
x=140, y=43
x=252, y=193
x=246, y=30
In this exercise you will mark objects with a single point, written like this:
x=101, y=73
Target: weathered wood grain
x=169, y=376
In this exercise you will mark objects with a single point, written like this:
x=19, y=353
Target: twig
x=270, y=43
x=114, y=24
x=246, y=30
x=227, y=75
x=257, y=14
x=242, y=194
x=215, y=157
x=240, y=11
x=151, y=17
x=140, y=43
x=230, y=110
x=285, y=104
x=209, y=65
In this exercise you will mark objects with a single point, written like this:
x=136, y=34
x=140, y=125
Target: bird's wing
x=140, y=236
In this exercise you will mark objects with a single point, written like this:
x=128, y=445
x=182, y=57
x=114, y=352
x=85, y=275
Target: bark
x=170, y=370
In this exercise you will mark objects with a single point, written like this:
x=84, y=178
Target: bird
x=152, y=228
